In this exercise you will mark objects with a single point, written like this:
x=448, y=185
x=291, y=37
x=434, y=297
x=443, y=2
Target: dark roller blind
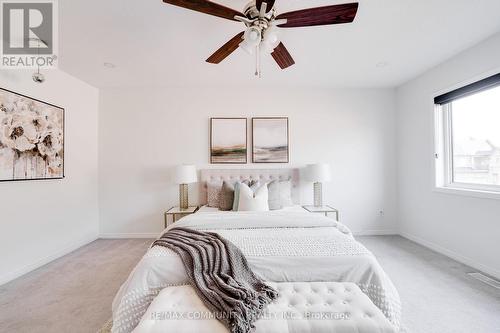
x=468, y=90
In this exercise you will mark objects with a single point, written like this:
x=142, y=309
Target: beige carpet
x=74, y=293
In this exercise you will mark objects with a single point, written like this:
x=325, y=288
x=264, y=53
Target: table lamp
x=184, y=175
x=318, y=173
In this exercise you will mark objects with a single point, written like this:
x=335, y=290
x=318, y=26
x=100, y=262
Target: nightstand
x=325, y=209
x=177, y=213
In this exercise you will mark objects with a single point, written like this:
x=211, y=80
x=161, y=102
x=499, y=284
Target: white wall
x=42, y=220
x=144, y=132
x=465, y=228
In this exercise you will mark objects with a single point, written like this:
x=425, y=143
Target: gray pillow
x=226, y=196
x=213, y=193
x=280, y=194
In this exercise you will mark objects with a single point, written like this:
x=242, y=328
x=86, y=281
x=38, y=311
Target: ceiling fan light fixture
x=251, y=39
x=271, y=39
x=253, y=36
x=248, y=48
x=269, y=48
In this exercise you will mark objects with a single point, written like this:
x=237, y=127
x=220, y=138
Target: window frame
x=443, y=152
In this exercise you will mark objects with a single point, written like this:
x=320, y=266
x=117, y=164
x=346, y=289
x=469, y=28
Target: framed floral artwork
x=228, y=140
x=31, y=138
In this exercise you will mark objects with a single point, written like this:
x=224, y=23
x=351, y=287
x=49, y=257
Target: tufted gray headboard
x=265, y=175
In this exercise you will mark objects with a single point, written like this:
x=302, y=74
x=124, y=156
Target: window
x=468, y=137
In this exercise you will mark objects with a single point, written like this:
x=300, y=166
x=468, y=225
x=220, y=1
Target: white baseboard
x=453, y=255
x=379, y=232
x=128, y=235
x=43, y=261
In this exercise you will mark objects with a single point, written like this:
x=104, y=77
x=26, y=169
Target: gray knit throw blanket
x=220, y=274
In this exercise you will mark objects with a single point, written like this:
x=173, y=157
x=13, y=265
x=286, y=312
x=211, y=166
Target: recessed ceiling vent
x=483, y=278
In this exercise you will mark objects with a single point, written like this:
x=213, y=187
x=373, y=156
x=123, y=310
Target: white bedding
x=281, y=246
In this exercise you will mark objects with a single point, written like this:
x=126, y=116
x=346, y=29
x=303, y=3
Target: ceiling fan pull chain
x=257, y=61
x=258, y=58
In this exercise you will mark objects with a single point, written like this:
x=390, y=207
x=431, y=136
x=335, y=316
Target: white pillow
x=254, y=184
x=253, y=201
x=280, y=194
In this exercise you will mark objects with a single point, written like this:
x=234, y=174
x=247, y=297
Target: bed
x=282, y=246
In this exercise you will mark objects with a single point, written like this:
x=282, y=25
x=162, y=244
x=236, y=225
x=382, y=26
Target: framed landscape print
x=270, y=140
x=31, y=138
x=228, y=140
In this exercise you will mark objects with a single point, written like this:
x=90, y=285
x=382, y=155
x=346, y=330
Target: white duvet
x=280, y=246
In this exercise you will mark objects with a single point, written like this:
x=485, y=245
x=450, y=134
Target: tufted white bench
x=303, y=307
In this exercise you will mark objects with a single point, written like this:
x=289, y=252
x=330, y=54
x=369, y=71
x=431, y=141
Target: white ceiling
x=152, y=43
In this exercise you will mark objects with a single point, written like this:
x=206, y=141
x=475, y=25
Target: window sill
x=468, y=192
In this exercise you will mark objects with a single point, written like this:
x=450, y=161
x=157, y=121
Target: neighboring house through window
x=468, y=137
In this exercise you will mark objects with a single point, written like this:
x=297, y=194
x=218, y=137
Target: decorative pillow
x=253, y=185
x=236, y=199
x=226, y=196
x=213, y=193
x=253, y=201
x=280, y=194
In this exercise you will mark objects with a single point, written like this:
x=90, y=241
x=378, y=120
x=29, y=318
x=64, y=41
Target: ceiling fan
x=262, y=21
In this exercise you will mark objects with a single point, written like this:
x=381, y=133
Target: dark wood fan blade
x=335, y=14
x=226, y=49
x=282, y=56
x=270, y=4
x=207, y=7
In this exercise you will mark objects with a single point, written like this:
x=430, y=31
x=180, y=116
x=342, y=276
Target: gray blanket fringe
x=220, y=274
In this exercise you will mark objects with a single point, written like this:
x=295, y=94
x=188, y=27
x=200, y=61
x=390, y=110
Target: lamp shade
x=185, y=174
x=318, y=172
